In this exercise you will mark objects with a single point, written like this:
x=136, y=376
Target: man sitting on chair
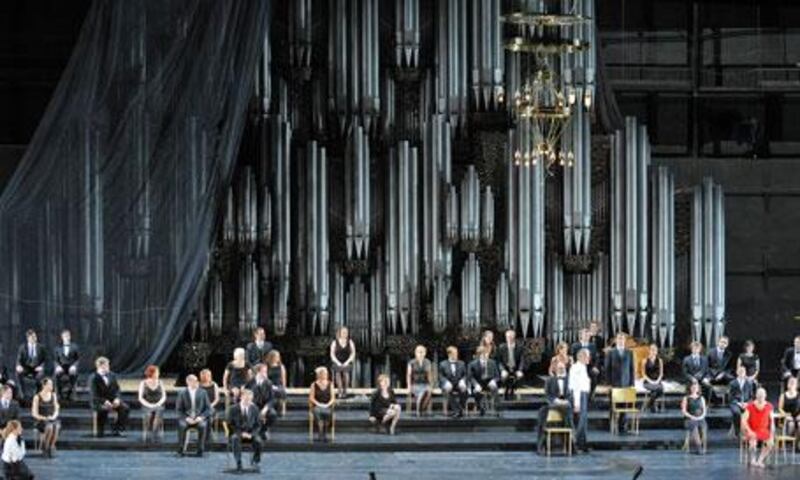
x=719, y=363
x=264, y=398
x=31, y=360
x=259, y=347
x=484, y=377
x=790, y=363
x=742, y=391
x=453, y=381
x=194, y=411
x=556, y=389
x=66, y=366
x=512, y=368
x=244, y=427
x=695, y=367
x=105, y=397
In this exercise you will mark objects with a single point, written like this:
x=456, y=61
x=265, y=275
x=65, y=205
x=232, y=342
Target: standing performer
x=512, y=368
x=66, y=366
x=343, y=355
x=580, y=386
x=620, y=369
x=453, y=382
x=585, y=343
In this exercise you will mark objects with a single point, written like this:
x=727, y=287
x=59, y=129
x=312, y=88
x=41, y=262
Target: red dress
x=760, y=420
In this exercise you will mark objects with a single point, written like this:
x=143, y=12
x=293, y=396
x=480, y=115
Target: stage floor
x=658, y=464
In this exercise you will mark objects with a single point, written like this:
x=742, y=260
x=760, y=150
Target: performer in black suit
x=556, y=389
x=67, y=356
x=105, y=397
x=244, y=426
x=264, y=398
x=512, y=366
x=453, y=382
x=194, y=411
x=720, y=360
x=585, y=343
x=742, y=391
x=790, y=364
x=620, y=369
x=484, y=377
x=259, y=347
x=695, y=368
x=31, y=360
x=596, y=337
x=9, y=408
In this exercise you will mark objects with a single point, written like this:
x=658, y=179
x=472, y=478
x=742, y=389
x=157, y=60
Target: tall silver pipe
x=406, y=33
x=501, y=304
x=376, y=316
x=631, y=225
x=450, y=60
x=669, y=335
x=317, y=237
x=471, y=294
x=719, y=283
x=487, y=56
x=338, y=306
x=709, y=275
x=617, y=231
x=538, y=254
x=643, y=159
x=487, y=216
x=357, y=193
x=696, y=265
x=586, y=219
x=300, y=29
x=470, y=207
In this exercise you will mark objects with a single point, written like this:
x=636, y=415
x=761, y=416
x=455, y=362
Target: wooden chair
x=722, y=392
x=311, y=422
x=623, y=402
x=783, y=439
x=555, y=417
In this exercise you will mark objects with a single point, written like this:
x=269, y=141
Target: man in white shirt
x=580, y=385
x=66, y=366
x=453, y=382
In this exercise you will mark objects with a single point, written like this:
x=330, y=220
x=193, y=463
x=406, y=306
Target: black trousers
x=17, y=471
x=236, y=444
x=66, y=382
x=122, y=418
x=28, y=382
x=202, y=432
x=268, y=420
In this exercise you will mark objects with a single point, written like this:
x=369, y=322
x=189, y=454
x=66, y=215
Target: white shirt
x=579, y=382
x=797, y=359
x=13, y=451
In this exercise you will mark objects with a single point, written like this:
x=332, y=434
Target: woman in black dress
x=236, y=375
x=343, y=354
x=45, y=411
x=321, y=398
x=693, y=407
x=383, y=407
x=789, y=407
x=749, y=360
x=653, y=369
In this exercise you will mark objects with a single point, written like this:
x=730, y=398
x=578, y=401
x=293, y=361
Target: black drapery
x=107, y=224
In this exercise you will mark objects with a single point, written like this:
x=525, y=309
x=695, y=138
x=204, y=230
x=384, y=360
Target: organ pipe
x=406, y=33
x=471, y=294
x=486, y=54
x=317, y=261
x=470, y=208
x=357, y=194
x=708, y=262
x=450, y=59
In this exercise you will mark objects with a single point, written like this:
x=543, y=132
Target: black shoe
x=199, y=453
x=482, y=411
x=180, y=453
x=239, y=466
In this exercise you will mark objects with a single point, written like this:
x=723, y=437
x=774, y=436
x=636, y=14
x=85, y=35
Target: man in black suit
x=9, y=408
x=484, y=378
x=264, y=399
x=742, y=390
x=596, y=338
x=695, y=367
x=259, y=347
x=556, y=389
x=244, y=425
x=31, y=360
x=790, y=364
x=719, y=363
x=66, y=366
x=453, y=382
x=105, y=398
x=512, y=366
x=585, y=343
x=620, y=369
x=194, y=410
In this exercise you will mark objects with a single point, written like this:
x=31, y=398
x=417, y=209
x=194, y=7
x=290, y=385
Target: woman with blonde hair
x=237, y=374
x=343, y=355
x=14, y=452
x=383, y=407
x=419, y=378
x=152, y=397
x=561, y=356
x=45, y=411
x=276, y=372
x=321, y=398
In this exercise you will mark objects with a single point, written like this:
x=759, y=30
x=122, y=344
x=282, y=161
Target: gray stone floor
x=668, y=464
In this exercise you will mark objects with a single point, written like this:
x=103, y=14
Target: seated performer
x=757, y=427
x=419, y=379
x=383, y=407
x=194, y=412
x=487, y=342
x=66, y=366
x=719, y=363
x=741, y=390
x=259, y=347
x=653, y=374
x=789, y=407
x=453, y=382
x=695, y=367
x=237, y=374
x=45, y=411
x=31, y=360
x=750, y=361
x=512, y=367
x=5, y=380
x=14, y=466
x=321, y=398
x=790, y=364
x=556, y=389
x=276, y=372
x=580, y=386
x=152, y=397
x=9, y=408
x=561, y=356
x=264, y=399
x=343, y=355
x=105, y=397
x=693, y=407
x=585, y=343
x=484, y=378
x=619, y=369
x=244, y=426
x=208, y=385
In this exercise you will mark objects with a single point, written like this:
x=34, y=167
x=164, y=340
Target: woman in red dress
x=757, y=427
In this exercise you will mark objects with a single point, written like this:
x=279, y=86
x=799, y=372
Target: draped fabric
x=106, y=226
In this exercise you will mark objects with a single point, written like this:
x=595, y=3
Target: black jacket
x=619, y=368
x=591, y=347
x=719, y=364
x=476, y=373
x=202, y=405
x=697, y=370
x=66, y=361
x=243, y=421
x=26, y=361
x=379, y=405
x=101, y=391
x=262, y=394
x=502, y=358
x=787, y=363
x=744, y=394
x=10, y=413
x=446, y=374
x=255, y=355
x=551, y=389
